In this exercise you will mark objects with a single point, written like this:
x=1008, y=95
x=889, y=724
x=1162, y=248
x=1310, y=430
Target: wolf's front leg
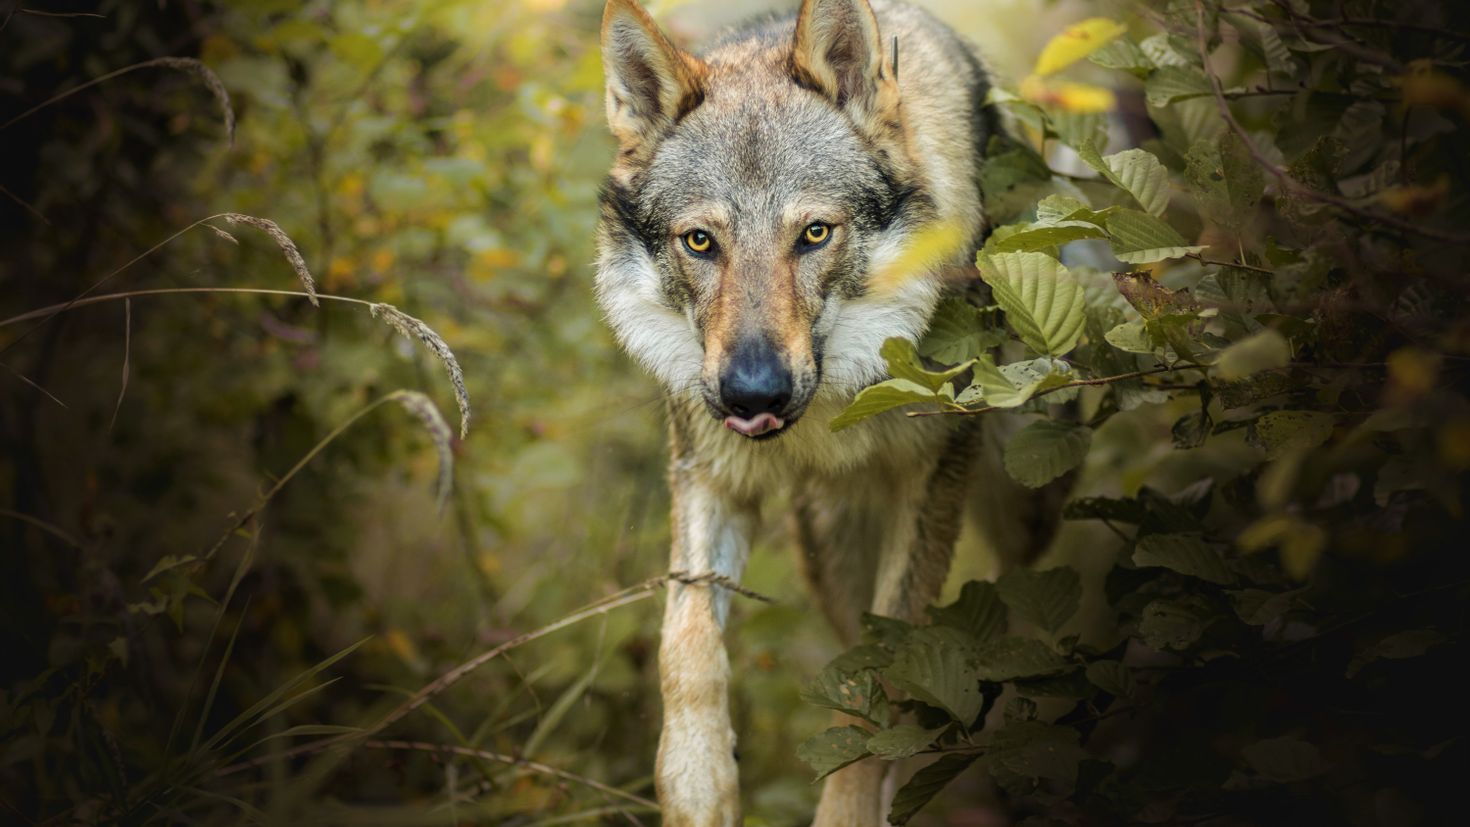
x=697, y=782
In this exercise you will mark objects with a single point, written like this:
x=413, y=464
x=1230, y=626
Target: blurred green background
x=442, y=156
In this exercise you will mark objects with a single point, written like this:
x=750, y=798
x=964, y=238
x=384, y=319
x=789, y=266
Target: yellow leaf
x=1454, y=444
x=929, y=247
x=1415, y=199
x=1076, y=42
x=1071, y=97
x=1412, y=372
x=1428, y=87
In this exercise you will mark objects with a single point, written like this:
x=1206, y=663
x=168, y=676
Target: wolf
x=757, y=190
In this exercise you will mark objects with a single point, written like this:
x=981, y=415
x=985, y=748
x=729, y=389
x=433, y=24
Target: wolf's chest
x=889, y=444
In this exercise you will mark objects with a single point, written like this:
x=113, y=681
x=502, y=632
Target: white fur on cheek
x=860, y=326
x=661, y=339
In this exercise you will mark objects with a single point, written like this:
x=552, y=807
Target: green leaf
x=1139, y=238
x=1184, y=553
x=1227, y=181
x=888, y=632
x=1169, y=623
x=1135, y=171
x=829, y=751
x=977, y=612
x=994, y=387
x=1042, y=301
x=858, y=694
x=1112, y=677
x=932, y=669
x=1046, y=598
x=1131, y=337
x=1045, y=450
x=1105, y=508
x=1284, y=760
x=1171, y=83
x=1033, y=749
x=1008, y=658
x=1125, y=55
x=959, y=332
x=881, y=397
x=903, y=364
x=1161, y=51
x=1266, y=42
x=1020, y=709
x=863, y=656
x=925, y=784
x=1041, y=237
x=1403, y=645
x=902, y=741
x=1281, y=432
x=1264, y=350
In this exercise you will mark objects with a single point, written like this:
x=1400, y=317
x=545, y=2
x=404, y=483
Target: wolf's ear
x=839, y=51
x=650, y=82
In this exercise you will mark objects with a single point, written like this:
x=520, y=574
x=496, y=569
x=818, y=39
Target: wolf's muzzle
x=755, y=388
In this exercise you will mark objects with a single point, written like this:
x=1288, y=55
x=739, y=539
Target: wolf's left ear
x=650, y=81
x=839, y=50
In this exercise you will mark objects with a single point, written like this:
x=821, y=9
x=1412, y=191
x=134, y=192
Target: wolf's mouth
x=760, y=425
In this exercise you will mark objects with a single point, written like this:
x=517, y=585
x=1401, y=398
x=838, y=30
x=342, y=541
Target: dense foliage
x=1276, y=297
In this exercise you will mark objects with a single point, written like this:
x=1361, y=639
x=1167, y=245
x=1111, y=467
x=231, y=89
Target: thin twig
x=1209, y=262
x=536, y=766
x=25, y=205
x=62, y=307
x=26, y=379
x=1080, y=383
x=50, y=528
x=127, y=360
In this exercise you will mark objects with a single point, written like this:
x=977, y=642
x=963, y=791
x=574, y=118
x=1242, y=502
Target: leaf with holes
x=933, y=670
x=1281, y=432
x=995, y=388
x=829, y=751
x=1008, y=658
x=858, y=694
x=903, y=741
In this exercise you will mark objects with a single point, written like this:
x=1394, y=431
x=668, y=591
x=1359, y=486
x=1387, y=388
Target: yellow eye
x=817, y=233
x=698, y=242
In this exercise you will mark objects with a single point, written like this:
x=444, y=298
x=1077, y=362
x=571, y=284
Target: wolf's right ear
x=650, y=81
x=839, y=51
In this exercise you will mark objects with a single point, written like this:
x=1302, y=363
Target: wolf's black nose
x=755, y=380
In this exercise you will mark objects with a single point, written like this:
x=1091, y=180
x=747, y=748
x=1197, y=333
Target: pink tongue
x=756, y=425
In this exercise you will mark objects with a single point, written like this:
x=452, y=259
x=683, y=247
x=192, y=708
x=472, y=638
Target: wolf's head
x=754, y=192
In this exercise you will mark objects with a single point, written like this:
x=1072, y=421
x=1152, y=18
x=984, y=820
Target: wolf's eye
x=698, y=242
x=815, y=235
